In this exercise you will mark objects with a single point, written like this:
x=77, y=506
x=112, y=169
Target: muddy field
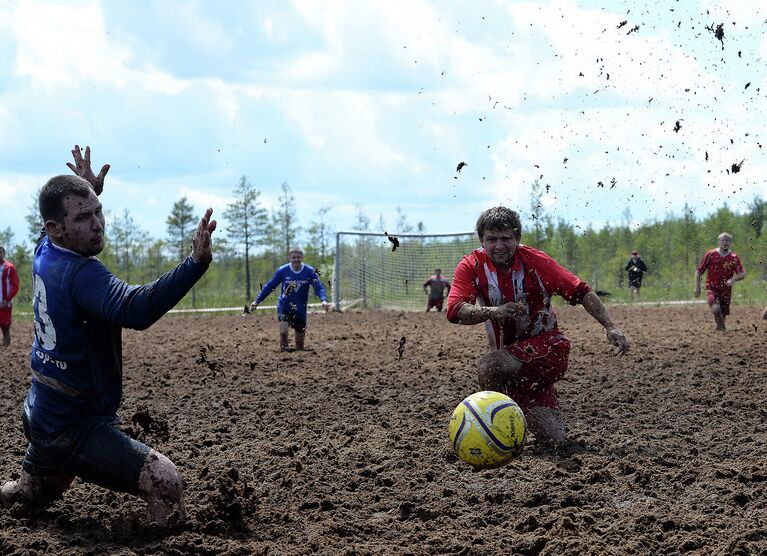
x=343, y=449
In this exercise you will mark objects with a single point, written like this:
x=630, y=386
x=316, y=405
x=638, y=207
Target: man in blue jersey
x=295, y=277
x=70, y=412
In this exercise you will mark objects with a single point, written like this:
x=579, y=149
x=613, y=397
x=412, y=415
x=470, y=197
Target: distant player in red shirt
x=8, y=289
x=437, y=285
x=514, y=284
x=724, y=269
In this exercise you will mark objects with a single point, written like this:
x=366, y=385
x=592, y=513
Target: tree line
x=255, y=241
x=672, y=247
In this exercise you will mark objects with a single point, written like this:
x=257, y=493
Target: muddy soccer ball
x=487, y=430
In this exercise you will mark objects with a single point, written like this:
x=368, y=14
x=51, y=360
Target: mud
x=343, y=449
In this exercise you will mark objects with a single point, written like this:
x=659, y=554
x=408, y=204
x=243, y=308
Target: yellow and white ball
x=487, y=429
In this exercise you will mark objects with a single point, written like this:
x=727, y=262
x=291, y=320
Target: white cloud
x=80, y=53
x=202, y=199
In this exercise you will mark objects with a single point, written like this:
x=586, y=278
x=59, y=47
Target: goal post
x=368, y=273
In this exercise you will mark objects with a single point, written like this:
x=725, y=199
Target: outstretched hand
x=82, y=168
x=201, y=245
x=616, y=338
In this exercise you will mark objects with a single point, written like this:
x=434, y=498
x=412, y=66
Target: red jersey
x=720, y=268
x=534, y=277
x=9, y=281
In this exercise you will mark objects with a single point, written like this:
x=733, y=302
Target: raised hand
x=201, y=245
x=82, y=168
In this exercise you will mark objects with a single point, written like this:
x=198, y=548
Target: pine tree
x=180, y=224
x=248, y=221
x=286, y=218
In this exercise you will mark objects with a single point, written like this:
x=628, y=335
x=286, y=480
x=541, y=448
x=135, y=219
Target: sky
x=624, y=111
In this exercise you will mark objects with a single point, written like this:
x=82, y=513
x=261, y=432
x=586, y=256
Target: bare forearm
x=597, y=309
x=473, y=314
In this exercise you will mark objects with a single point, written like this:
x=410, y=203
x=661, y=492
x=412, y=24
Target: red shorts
x=435, y=303
x=722, y=297
x=544, y=361
x=5, y=317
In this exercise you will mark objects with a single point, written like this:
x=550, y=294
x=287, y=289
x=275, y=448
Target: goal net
x=370, y=275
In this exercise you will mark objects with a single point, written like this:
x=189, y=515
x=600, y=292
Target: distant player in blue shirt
x=70, y=412
x=295, y=277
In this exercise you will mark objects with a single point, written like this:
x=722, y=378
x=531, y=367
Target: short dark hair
x=51, y=197
x=499, y=218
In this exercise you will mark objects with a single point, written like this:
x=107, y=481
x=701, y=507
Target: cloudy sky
x=610, y=104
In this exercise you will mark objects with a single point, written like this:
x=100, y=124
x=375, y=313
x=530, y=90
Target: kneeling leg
x=546, y=424
x=497, y=369
x=161, y=487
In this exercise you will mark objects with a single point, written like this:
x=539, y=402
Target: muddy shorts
x=544, y=361
x=722, y=297
x=94, y=450
x=5, y=317
x=435, y=303
x=295, y=320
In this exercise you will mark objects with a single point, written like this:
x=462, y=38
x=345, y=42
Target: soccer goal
x=374, y=272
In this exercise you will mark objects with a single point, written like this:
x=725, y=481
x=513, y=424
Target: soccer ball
x=487, y=429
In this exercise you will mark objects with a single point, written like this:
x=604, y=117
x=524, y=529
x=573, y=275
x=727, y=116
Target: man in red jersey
x=724, y=269
x=8, y=289
x=436, y=292
x=514, y=284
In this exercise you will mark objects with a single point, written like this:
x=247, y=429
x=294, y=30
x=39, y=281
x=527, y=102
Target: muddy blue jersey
x=80, y=310
x=294, y=294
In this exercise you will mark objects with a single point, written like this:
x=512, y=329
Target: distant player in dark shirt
x=436, y=284
x=724, y=269
x=636, y=269
x=80, y=307
x=295, y=278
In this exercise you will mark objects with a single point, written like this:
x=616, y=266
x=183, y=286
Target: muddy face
x=82, y=227
x=500, y=246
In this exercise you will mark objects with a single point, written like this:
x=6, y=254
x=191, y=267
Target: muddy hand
x=510, y=310
x=616, y=338
x=82, y=168
x=201, y=245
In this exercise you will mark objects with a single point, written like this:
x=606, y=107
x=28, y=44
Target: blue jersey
x=80, y=311
x=294, y=294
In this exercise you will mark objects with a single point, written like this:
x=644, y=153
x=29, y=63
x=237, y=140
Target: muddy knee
x=497, y=369
x=546, y=424
x=162, y=488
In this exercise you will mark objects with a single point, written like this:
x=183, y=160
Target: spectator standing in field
x=8, y=289
x=724, y=269
x=514, y=284
x=436, y=284
x=636, y=269
x=295, y=278
x=70, y=412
